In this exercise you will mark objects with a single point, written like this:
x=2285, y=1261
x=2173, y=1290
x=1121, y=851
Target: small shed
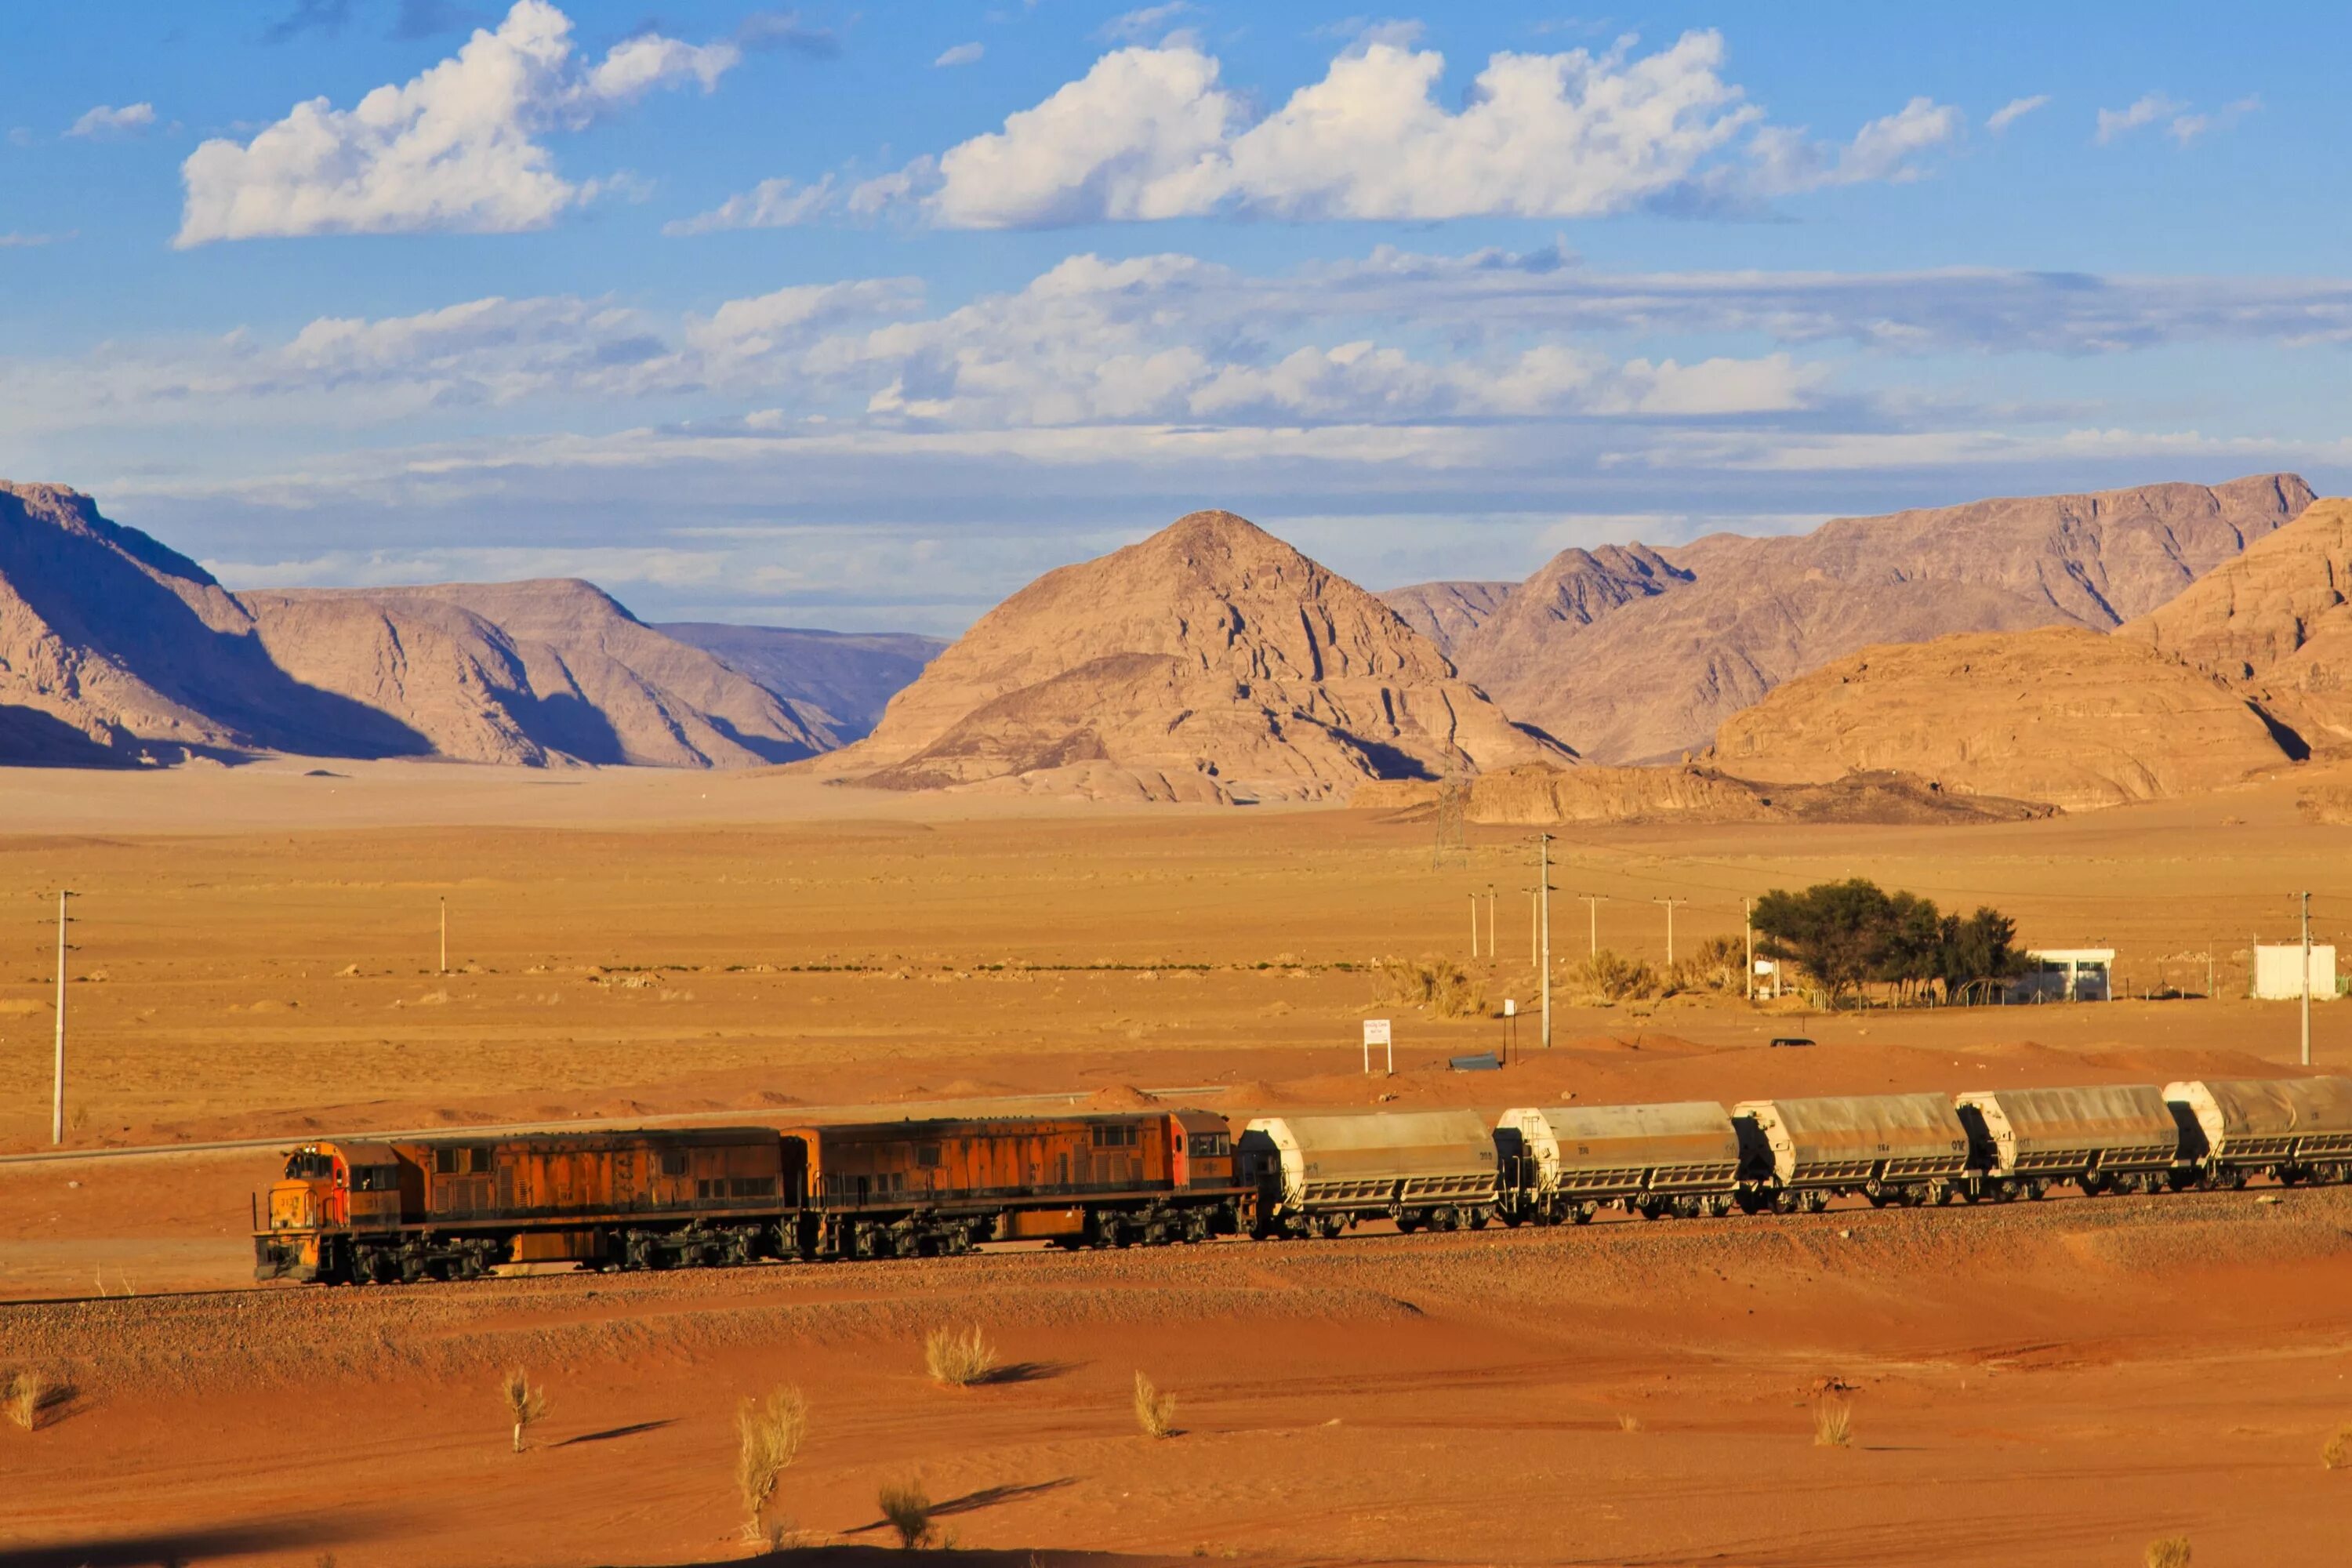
x=2065, y=974
x=2276, y=967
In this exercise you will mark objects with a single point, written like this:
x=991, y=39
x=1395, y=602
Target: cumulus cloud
x=104, y=121
x=1154, y=133
x=2015, y=110
x=456, y=148
x=960, y=55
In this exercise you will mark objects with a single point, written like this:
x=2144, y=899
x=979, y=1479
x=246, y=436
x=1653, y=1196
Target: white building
x=2065, y=974
x=2277, y=967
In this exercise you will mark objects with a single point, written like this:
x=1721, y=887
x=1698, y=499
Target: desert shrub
x=1154, y=1412
x=908, y=1507
x=1629, y=1424
x=22, y=1394
x=1609, y=977
x=1832, y=1423
x=1720, y=964
x=2336, y=1452
x=2172, y=1552
x=771, y=1430
x=1437, y=985
x=525, y=1404
x=958, y=1360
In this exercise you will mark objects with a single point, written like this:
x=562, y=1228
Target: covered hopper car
x=1561, y=1162
x=1432, y=1168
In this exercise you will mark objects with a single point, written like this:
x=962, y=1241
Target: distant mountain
x=536, y=672
x=2059, y=714
x=2277, y=624
x=113, y=647
x=1210, y=662
x=1445, y=613
x=1633, y=654
x=848, y=677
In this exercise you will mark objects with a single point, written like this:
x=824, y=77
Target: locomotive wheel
x=1816, y=1200
x=1330, y=1225
x=1479, y=1216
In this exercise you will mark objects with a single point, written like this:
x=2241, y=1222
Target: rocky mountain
x=112, y=646
x=2062, y=715
x=1212, y=661
x=1632, y=654
x=848, y=677
x=1445, y=613
x=535, y=672
x=2275, y=622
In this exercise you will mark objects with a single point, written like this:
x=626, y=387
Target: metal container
x=2268, y=1121
x=1852, y=1141
x=1417, y=1160
x=1619, y=1151
x=2109, y=1129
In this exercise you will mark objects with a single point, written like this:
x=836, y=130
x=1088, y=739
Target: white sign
x=1376, y=1031
x=1510, y=1007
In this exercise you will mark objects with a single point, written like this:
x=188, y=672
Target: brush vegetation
x=526, y=1404
x=907, y=1509
x=1832, y=1423
x=1155, y=1412
x=22, y=1394
x=2172, y=1552
x=2336, y=1452
x=769, y=1431
x=1436, y=985
x=958, y=1360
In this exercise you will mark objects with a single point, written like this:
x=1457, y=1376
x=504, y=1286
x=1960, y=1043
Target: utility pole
x=1748, y=920
x=1543, y=885
x=1535, y=953
x=445, y=937
x=1670, y=904
x=1592, y=903
x=2307, y=980
x=1494, y=953
x=58, y=1088
x=1473, y=927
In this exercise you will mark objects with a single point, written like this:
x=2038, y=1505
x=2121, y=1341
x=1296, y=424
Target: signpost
x=1510, y=1027
x=1376, y=1033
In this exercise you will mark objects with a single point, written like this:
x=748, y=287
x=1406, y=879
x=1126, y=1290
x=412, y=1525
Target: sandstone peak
x=1209, y=661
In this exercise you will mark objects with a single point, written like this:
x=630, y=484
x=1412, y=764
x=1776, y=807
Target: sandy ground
x=256, y=957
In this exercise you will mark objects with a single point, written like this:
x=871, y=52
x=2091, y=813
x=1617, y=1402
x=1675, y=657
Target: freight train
x=360, y=1211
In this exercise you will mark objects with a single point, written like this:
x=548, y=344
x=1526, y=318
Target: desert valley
x=1091, y=786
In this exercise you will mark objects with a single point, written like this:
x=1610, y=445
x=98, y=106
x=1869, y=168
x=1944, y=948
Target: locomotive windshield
x=305, y=1163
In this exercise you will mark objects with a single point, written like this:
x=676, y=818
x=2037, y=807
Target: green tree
x=1836, y=931
x=1978, y=948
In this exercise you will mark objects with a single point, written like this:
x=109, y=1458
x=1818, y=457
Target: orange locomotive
x=444, y=1208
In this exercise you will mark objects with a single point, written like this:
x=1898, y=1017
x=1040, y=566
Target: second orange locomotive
x=360, y=1211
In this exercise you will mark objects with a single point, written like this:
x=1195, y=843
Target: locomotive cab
x=327, y=1189
x=1200, y=1150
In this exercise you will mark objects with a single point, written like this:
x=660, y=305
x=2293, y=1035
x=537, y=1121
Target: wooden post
x=1748, y=920
x=58, y=1083
x=1543, y=884
x=445, y=936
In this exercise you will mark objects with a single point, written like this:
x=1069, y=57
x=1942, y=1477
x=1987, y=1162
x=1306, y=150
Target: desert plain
x=256, y=961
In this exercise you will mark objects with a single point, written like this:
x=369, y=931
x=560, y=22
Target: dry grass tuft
x=2336, y=1452
x=1436, y=985
x=771, y=1430
x=1629, y=1424
x=525, y=1404
x=908, y=1507
x=1832, y=1423
x=1154, y=1412
x=958, y=1360
x=22, y=1394
x=1608, y=977
x=2172, y=1552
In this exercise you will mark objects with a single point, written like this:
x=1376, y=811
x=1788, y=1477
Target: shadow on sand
x=196, y=1544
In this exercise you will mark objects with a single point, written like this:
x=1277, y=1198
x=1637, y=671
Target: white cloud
x=2187, y=128
x=104, y=121
x=960, y=55
x=2147, y=111
x=456, y=148
x=1153, y=133
x=1146, y=22
x=770, y=203
x=2015, y=110
x=18, y=240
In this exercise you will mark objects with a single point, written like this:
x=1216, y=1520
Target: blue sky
x=864, y=317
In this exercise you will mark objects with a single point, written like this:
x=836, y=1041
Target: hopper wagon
x=2111, y=1138
x=1889, y=1148
x=2290, y=1129
x=1562, y=1163
x=1324, y=1173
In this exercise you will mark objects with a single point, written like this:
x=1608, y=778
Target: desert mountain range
x=1634, y=654
x=1212, y=661
x=114, y=648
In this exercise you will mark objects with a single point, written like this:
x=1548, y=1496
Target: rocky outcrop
x=1633, y=654
x=847, y=677
x=1445, y=613
x=1543, y=796
x=2276, y=623
x=1210, y=661
x=2074, y=718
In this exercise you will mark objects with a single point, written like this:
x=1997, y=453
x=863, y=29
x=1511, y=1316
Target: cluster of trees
x=1851, y=933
